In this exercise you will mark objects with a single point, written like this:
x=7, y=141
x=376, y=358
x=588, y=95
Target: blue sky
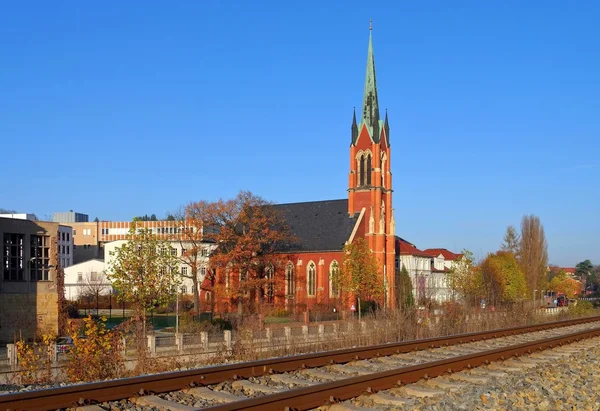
x=127, y=108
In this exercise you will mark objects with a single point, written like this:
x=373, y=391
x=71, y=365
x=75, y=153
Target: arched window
x=311, y=279
x=290, y=281
x=362, y=171
x=334, y=280
x=269, y=284
x=208, y=297
x=383, y=159
x=368, y=169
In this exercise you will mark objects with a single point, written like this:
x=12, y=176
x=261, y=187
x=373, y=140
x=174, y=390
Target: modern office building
x=70, y=217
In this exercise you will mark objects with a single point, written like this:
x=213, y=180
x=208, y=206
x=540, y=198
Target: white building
x=86, y=278
x=19, y=216
x=428, y=270
x=176, y=250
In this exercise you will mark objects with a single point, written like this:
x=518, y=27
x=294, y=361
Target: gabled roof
x=403, y=247
x=319, y=225
x=448, y=255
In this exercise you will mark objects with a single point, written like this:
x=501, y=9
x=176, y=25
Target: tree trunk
x=359, y=313
x=196, y=291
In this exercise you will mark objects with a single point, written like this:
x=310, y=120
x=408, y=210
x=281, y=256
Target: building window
x=68, y=237
x=311, y=279
x=74, y=232
x=173, y=251
x=13, y=257
x=68, y=249
x=334, y=280
x=183, y=252
x=203, y=272
x=368, y=169
x=362, y=171
x=208, y=297
x=204, y=252
x=184, y=271
x=290, y=282
x=270, y=284
x=79, y=277
x=40, y=257
x=183, y=289
x=93, y=276
x=64, y=249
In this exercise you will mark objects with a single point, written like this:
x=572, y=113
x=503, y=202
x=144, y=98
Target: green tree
x=144, y=271
x=464, y=280
x=404, y=288
x=360, y=273
x=96, y=220
x=503, y=279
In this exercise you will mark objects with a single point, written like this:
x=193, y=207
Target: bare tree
x=533, y=251
x=511, y=241
x=95, y=285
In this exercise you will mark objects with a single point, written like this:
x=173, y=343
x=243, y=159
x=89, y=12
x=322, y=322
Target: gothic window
x=383, y=170
x=290, y=282
x=368, y=170
x=362, y=171
x=270, y=284
x=334, y=271
x=311, y=279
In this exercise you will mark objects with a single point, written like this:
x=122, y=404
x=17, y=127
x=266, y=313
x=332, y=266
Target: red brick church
x=324, y=227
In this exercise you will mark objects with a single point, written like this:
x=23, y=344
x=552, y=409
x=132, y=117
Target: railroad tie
x=382, y=398
x=322, y=375
x=155, y=401
x=446, y=385
x=219, y=396
x=473, y=379
x=286, y=379
x=253, y=387
x=342, y=406
x=90, y=408
x=418, y=391
x=347, y=369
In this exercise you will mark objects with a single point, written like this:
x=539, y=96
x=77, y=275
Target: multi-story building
x=20, y=216
x=70, y=217
x=87, y=278
x=177, y=249
x=28, y=285
x=90, y=237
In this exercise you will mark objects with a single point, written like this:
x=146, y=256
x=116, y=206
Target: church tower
x=370, y=177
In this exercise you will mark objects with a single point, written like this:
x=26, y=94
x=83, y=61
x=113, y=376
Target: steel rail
x=326, y=393
x=98, y=392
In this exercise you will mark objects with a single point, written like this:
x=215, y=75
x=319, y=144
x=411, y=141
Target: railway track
x=311, y=380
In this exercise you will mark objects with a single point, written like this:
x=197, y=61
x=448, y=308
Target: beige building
x=28, y=286
x=89, y=238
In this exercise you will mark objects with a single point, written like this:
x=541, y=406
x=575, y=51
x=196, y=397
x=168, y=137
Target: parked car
x=63, y=344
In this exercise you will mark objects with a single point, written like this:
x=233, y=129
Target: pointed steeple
x=387, y=128
x=370, y=108
x=354, y=127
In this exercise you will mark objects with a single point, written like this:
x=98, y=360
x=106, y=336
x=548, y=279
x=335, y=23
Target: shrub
x=581, y=308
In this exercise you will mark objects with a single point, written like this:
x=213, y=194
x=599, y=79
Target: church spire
x=370, y=109
x=354, y=127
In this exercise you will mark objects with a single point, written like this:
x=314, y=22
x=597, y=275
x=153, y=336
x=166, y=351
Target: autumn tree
x=404, y=288
x=465, y=280
x=561, y=283
x=585, y=272
x=144, y=271
x=251, y=236
x=360, y=273
x=503, y=280
x=511, y=241
x=533, y=252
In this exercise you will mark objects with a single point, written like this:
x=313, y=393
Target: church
x=323, y=228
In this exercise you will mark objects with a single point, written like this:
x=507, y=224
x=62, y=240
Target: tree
x=404, y=288
x=194, y=247
x=464, y=280
x=511, y=241
x=533, y=252
x=561, y=283
x=360, y=273
x=585, y=272
x=170, y=217
x=503, y=279
x=144, y=271
x=95, y=285
x=252, y=240
x=96, y=220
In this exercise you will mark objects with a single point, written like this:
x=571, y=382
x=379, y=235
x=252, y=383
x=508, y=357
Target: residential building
x=177, y=249
x=88, y=277
x=70, y=217
x=29, y=286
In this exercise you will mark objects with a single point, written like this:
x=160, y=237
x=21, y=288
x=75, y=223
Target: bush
x=222, y=324
x=581, y=308
x=72, y=311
